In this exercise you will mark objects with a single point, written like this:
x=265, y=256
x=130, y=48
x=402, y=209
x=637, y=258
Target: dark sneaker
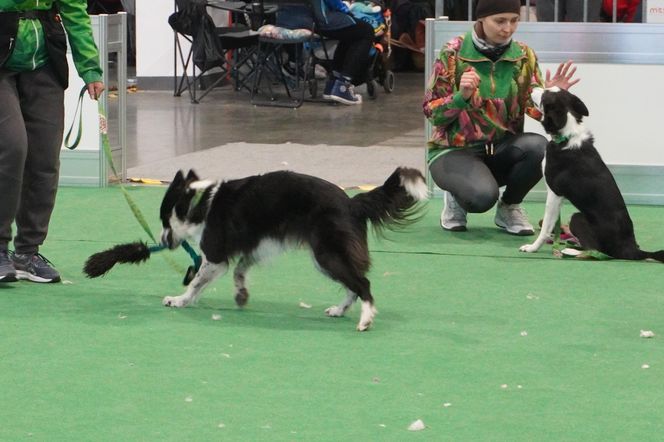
x=329, y=84
x=35, y=268
x=344, y=92
x=7, y=270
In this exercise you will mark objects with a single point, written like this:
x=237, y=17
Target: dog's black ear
x=192, y=176
x=578, y=106
x=177, y=179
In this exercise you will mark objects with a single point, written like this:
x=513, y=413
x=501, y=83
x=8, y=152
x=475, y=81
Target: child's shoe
x=343, y=92
x=329, y=84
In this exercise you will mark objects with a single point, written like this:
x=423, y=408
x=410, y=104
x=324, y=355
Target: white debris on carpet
x=418, y=425
x=647, y=334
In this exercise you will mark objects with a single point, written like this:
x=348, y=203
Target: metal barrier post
x=113, y=40
x=102, y=45
x=439, y=8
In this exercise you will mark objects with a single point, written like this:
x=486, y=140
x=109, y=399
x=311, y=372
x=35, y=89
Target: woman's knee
x=13, y=148
x=479, y=200
x=532, y=145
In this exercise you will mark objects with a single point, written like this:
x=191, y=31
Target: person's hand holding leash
x=469, y=83
x=563, y=77
x=95, y=89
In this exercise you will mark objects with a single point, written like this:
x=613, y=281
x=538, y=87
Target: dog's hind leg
x=583, y=231
x=340, y=310
x=241, y=293
x=341, y=269
x=368, y=310
x=606, y=238
x=361, y=286
x=207, y=273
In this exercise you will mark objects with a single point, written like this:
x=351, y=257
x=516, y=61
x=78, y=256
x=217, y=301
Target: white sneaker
x=453, y=216
x=513, y=219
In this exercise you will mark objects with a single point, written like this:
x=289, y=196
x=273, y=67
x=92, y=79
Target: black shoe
x=35, y=268
x=7, y=270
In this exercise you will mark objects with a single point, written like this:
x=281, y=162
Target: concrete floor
x=225, y=136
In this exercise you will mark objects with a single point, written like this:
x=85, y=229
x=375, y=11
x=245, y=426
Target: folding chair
x=227, y=48
x=104, y=6
x=270, y=75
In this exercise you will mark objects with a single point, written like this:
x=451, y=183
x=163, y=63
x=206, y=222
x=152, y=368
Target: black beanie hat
x=485, y=8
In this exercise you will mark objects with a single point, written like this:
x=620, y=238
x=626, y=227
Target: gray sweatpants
x=31, y=126
x=475, y=177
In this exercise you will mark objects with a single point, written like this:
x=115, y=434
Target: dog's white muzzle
x=167, y=239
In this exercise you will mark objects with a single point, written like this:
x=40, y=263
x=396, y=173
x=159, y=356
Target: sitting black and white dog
x=574, y=170
x=252, y=218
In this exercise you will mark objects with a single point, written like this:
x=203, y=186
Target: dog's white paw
x=334, y=311
x=367, y=316
x=364, y=325
x=529, y=248
x=174, y=301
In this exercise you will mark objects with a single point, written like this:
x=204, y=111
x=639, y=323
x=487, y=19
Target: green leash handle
x=77, y=113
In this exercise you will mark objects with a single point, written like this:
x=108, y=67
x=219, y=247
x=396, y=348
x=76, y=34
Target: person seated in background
x=350, y=62
x=476, y=99
x=568, y=10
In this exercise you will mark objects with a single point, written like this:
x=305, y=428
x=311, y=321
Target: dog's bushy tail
x=395, y=204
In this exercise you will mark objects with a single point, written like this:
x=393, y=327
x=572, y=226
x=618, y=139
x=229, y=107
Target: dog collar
x=560, y=139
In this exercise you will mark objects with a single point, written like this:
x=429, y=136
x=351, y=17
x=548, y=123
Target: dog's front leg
x=551, y=215
x=207, y=273
x=241, y=292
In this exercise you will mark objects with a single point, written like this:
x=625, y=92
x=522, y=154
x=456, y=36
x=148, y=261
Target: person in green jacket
x=33, y=78
x=477, y=96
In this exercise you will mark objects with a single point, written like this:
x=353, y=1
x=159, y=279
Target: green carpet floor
x=478, y=340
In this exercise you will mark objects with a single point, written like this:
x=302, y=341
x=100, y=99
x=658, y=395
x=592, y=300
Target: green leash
x=106, y=145
x=78, y=113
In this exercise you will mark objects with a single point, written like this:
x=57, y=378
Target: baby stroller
x=380, y=18
x=379, y=72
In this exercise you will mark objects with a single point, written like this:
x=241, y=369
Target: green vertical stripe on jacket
x=30, y=48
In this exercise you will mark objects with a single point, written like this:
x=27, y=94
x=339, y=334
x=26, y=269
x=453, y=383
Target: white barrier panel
x=654, y=11
x=86, y=165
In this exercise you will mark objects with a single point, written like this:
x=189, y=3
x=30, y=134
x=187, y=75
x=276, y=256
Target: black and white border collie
x=249, y=219
x=574, y=170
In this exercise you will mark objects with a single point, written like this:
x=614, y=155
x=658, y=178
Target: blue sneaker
x=7, y=270
x=35, y=268
x=343, y=92
x=328, y=88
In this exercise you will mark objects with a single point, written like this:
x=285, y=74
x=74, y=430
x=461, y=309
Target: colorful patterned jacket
x=498, y=105
x=30, y=50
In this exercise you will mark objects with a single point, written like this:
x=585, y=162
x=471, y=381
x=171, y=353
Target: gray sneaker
x=453, y=216
x=35, y=268
x=7, y=270
x=513, y=219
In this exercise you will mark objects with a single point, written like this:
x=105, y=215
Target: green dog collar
x=560, y=139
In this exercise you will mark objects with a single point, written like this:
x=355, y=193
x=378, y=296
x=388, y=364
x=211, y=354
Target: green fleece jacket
x=30, y=49
x=495, y=109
